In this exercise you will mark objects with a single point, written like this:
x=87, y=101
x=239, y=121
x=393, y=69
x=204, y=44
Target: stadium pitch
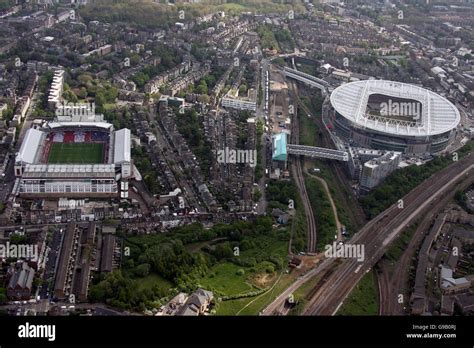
x=73, y=153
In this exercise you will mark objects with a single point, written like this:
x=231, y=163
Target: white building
x=376, y=170
x=232, y=100
x=56, y=89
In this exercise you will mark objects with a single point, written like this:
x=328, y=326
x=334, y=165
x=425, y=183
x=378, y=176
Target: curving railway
x=297, y=173
x=381, y=231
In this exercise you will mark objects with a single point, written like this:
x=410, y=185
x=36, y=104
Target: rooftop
x=438, y=114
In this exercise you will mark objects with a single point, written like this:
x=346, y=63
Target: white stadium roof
x=104, y=125
x=30, y=145
x=438, y=114
x=122, y=146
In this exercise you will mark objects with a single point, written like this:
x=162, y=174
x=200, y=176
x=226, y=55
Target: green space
x=278, y=194
x=148, y=172
x=76, y=153
x=267, y=37
x=364, y=298
x=6, y=4
x=312, y=136
x=237, y=262
x=285, y=40
x=304, y=293
x=308, y=130
x=152, y=280
x=227, y=278
x=158, y=14
x=253, y=305
x=190, y=127
x=323, y=214
x=398, y=247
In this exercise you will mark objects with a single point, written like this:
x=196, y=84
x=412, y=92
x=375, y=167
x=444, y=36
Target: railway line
x=297, y=173
x=381, y=231
x=355, y=209
x=394, y=284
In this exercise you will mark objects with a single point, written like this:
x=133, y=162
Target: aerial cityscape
x=236, y=158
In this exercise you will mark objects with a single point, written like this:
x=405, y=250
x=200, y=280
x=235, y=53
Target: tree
x=204, y=98
x=256, y=195
x=202, y=87
x=142, y=270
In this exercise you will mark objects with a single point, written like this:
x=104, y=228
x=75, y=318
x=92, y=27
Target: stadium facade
x=393, y=116
x=74, y=156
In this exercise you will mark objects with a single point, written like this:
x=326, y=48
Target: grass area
x=248, y=277
x=308, y=130
x=364, y=298
x=224, y=279
x=323, y=214
x=303, y=294
x=306, y=68
x=311, y=135
x=236, y=277
x=299, y=228
x=278, y=194
x=75, y=153
x=152, y=280
x=256, y=303
x=343, y=198
x=398, y=247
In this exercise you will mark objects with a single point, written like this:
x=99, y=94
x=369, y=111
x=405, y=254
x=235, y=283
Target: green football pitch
x=75, y=153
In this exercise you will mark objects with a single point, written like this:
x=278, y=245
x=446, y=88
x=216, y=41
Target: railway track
x=337, y=168
x=300, y=183
x=377, y=235
x=397, y=281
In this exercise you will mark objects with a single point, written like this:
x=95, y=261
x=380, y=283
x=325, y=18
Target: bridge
x=306, y=78
x=318, y=152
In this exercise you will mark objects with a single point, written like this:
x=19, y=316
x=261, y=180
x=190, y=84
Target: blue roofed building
x=279, y=147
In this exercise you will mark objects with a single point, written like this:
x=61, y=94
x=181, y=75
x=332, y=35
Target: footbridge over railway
x=317, y=152
x=281, y=149
x=306, y=78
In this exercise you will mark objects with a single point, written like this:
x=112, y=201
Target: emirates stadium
x=393, y=116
